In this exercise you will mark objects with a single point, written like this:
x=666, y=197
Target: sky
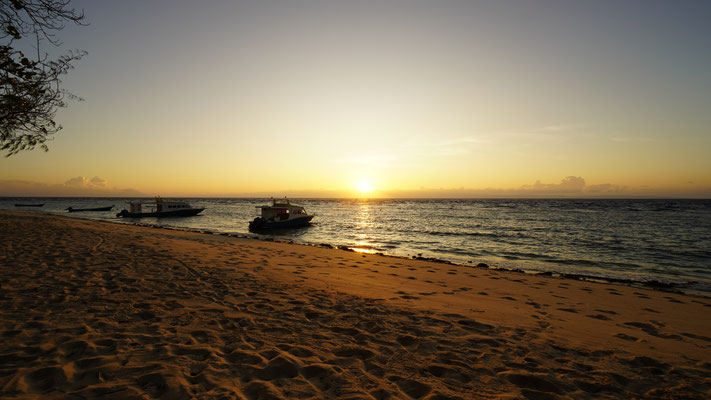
x=381, y=99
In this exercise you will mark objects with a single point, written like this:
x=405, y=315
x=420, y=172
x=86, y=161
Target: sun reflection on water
x=364, y=222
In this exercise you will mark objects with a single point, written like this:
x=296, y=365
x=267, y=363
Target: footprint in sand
x=600, y=317
x=655, y=366
x=673, y=300
x=627, y=337
x=699, y=337
x=533, y=304
x=44, y=379
x=442, y=371
x=535, y=385
x=651, y=330
x=570, y=310
x=322, y=376
x=411, y=387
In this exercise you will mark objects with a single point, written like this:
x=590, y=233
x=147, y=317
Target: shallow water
x=640, y=240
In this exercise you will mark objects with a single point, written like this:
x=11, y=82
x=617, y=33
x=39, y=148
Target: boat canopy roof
x=281, y=203
x=159, y=200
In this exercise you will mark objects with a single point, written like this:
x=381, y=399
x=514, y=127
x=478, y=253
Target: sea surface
x=657, y=241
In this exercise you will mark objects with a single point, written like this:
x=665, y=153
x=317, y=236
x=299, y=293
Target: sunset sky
x=382, y=98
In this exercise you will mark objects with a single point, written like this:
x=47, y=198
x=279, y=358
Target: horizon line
x=376, y=198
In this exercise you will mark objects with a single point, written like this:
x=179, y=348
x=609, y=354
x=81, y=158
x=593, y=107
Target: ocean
x=658, y=242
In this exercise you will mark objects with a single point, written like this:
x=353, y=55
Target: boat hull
x=162, y=214
x=90, y=209
x=261, y=224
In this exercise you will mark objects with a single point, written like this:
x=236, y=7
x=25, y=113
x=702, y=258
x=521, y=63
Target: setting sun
x=364, y=186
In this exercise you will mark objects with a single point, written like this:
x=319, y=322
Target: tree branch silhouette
x=30, y=88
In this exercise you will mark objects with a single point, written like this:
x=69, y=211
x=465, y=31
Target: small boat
x=281, y=214
x=70, y=209
x=159, y=208
x=29, y=205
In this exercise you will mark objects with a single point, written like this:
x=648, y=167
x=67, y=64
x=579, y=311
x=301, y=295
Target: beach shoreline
x=99, y=309
x=648, y=243
x=680, y=287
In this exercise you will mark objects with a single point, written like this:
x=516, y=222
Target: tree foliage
x=30, y=86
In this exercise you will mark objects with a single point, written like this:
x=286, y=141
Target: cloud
x=78, y=182
x=550, y=132
x=82, y=182
x=425, y=147
x=628, y=139
x=99, y=182
x=605, y=188
x=570, y=186
x=413, y=151
x=562, y=128
x=74, y=187
x=371, y=158
x=418, y=147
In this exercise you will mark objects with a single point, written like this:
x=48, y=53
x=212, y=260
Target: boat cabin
x=281, y=210
x=171, y=205
x=281, y=214
x=160, y=205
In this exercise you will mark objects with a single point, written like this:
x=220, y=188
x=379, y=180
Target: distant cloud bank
x=75, y=187
x=569, y=187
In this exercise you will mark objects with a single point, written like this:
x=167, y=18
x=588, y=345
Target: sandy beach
x=109, y=311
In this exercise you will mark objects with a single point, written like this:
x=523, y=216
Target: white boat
x=280, y=214
x=159, y=208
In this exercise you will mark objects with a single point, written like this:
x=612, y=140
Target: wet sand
x=108, y=311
